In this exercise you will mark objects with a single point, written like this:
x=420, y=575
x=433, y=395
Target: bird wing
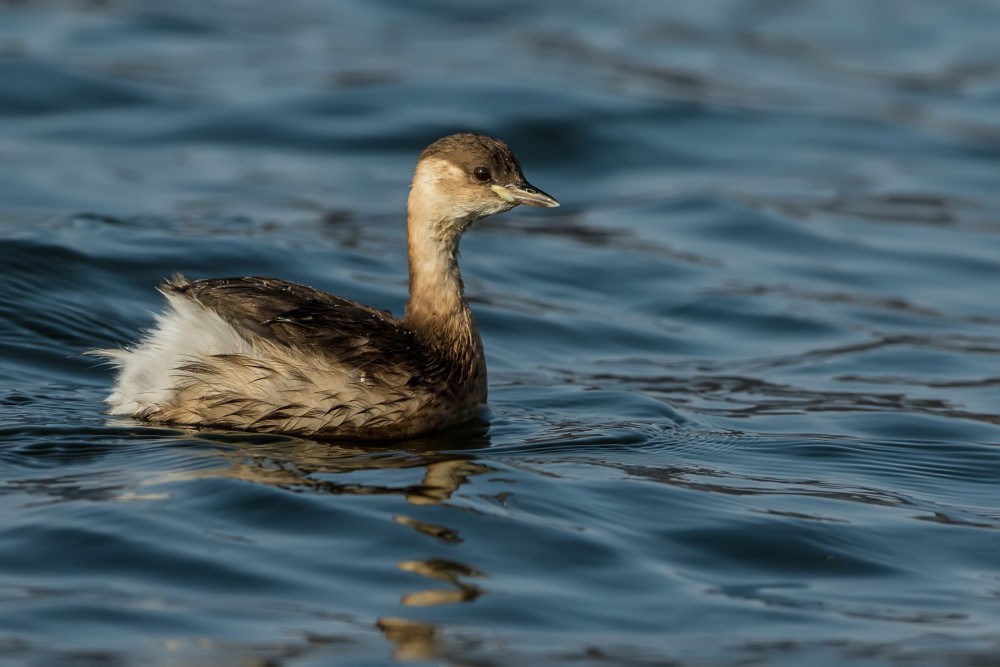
x=307, y=319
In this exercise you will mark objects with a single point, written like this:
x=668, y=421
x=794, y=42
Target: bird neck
x=437, y=308
x=437, y=294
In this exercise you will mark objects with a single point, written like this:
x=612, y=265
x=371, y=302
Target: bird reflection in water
x=294, y=464
x=414, y=640
x=445, y=570
x=291, y=463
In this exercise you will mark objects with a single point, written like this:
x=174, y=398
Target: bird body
x=264, y=354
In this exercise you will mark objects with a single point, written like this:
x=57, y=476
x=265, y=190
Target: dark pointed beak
x=525, y=193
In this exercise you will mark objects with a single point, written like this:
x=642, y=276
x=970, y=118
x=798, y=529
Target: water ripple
x=746, y=377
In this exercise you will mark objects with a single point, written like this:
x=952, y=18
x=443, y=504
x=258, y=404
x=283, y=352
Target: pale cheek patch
x=441, y=191
x=430, y=174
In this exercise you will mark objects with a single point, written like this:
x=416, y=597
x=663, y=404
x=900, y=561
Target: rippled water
x=745, y=383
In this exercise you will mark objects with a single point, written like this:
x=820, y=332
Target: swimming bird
x=262, y=354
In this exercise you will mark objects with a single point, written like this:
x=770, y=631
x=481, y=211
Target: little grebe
x=262, y=354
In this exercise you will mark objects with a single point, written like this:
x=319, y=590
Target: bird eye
x=481, y=174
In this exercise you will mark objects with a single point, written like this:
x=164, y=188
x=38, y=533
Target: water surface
x=744, y=382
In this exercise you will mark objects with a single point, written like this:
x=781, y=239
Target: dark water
x=745, y=383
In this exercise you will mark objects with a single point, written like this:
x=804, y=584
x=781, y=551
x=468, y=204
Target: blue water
x=745, y=383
